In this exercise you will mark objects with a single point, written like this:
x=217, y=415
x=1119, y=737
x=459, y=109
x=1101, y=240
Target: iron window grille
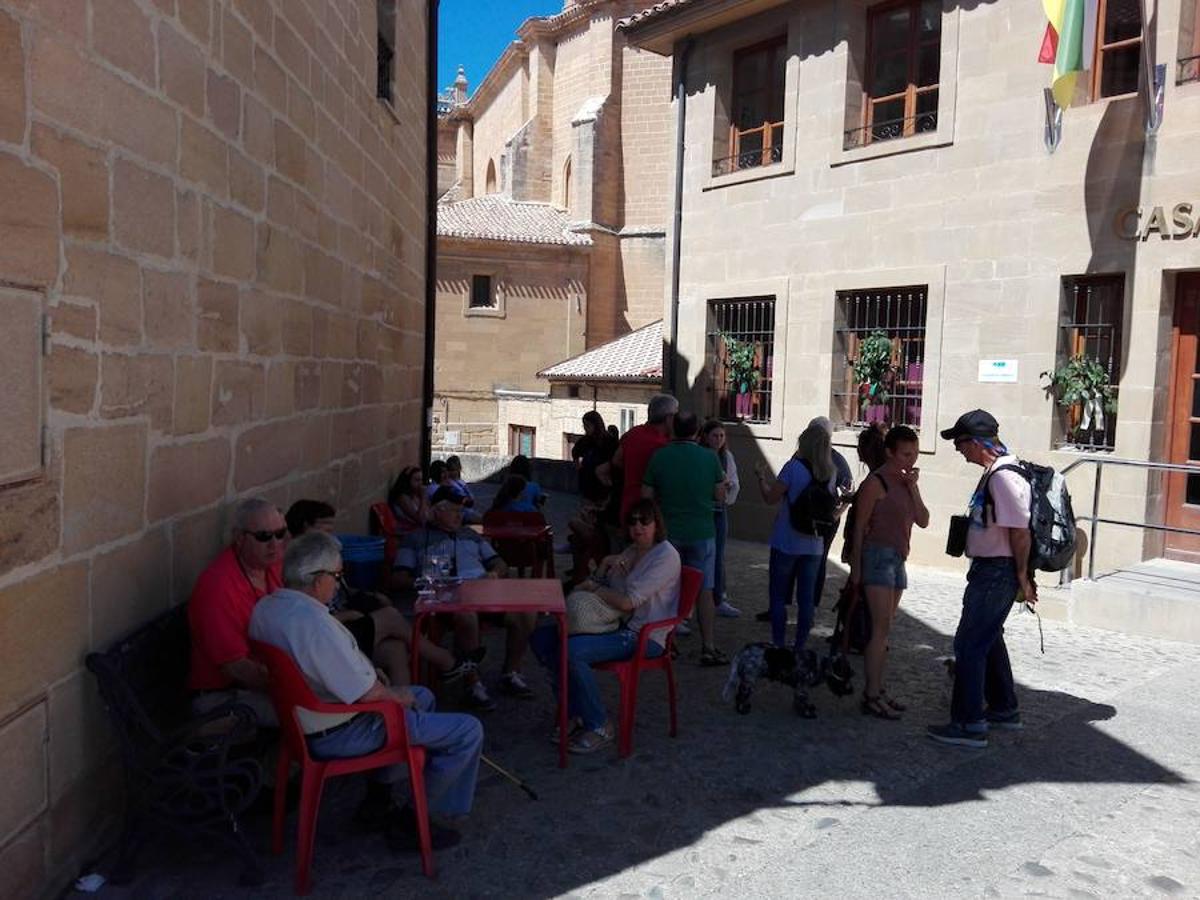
x=745, y=327
x=1189, y=70
x=756, y=119
x=899, y=313
x=1091, y=325
x=904, y=58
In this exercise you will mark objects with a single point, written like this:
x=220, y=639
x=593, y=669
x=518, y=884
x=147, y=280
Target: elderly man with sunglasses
x=296, y=619
x=222, y=602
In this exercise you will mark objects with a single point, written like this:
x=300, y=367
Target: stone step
x=1157, y=598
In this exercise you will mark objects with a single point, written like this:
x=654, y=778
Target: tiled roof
x=496, y=218
x=635, y=357
x=653, y=12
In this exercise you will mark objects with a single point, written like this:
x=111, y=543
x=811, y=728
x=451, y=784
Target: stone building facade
x=212, y=282
x=855, y=167
x=560, y=200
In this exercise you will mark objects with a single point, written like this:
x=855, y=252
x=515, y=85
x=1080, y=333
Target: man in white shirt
x=998, y=544
x=296, y=619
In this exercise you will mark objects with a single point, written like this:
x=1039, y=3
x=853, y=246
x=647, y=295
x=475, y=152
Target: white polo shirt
x=325, y=651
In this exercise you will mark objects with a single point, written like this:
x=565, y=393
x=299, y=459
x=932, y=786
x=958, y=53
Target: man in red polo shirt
x=219, y=611
x=637, y=446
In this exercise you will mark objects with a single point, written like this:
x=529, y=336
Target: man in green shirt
x=686, y=479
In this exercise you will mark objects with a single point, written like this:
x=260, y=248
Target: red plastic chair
x=629, y=671
x=288, y=691
x=383, y=522
x=521, y=554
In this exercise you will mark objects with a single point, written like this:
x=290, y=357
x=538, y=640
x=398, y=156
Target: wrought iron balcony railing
x=890, y=129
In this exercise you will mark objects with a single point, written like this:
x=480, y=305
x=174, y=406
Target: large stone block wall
x=984, y=215
x=647, y=137
x=496, y=122
x=225, y=230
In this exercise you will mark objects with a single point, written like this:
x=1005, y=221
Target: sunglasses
x=264, y=537
x=640, y=520
x=337, y=576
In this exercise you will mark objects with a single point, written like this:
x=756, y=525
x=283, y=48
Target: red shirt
x=637, y=446
x=219, y=618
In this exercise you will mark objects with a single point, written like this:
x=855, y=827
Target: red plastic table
x=501, y=595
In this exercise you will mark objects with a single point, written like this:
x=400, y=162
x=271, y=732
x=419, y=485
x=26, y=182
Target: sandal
x=877, y=706
x=711, y=656
x=574, y=725
x=892, y=702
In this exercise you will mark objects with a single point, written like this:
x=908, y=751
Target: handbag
x=956, y=537
x=588, y=614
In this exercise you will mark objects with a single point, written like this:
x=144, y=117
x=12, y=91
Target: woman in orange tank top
x=887, y=506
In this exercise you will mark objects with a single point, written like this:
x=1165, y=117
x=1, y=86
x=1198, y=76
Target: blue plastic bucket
x=362, y=559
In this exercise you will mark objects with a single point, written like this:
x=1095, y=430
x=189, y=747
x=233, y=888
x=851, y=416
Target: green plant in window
x=741, y=367
x=1082, y=382
x=873, y=370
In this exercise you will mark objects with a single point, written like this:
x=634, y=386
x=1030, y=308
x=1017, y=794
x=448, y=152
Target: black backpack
x=1051, y=518
x=814, y=511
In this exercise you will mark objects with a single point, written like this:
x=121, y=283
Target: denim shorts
x=883, y=567
x=700, y=555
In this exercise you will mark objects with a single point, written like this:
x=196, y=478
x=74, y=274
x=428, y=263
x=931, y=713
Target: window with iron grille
x=385, y=48
x=904, y=58
x=756, y=108
x=741, y=358
x=879, y=356
x=1091, y=321
x=1118, y=48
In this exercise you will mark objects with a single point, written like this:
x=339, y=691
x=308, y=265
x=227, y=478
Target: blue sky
x=474, y=33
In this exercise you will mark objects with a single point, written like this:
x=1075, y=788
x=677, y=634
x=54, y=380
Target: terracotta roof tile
x=658, y=9
x=497, y=218
x=636, y=356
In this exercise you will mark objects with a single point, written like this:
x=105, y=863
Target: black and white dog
x=763, y=660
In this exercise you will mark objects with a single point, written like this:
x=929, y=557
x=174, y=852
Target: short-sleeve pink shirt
x=1010, y=498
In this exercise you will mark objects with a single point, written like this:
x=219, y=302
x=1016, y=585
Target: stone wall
x=224, y=229
x=977, y=210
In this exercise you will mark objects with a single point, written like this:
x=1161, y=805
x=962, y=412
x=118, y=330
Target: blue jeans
x=452, y=742
x=583, y=691
x=982, y=672
x=721, y=522
x=792, y=576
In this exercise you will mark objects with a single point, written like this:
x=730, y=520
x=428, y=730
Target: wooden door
x=1183, y=490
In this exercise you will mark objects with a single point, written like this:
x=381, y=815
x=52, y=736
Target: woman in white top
x=643, y=583
x=713, y=435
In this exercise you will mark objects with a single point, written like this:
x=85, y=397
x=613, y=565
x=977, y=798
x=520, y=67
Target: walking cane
x=510, y=776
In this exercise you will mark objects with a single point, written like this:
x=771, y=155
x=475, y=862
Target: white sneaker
x=728, y=610
x=479, y=698
x=514, y=683
x=683, y=629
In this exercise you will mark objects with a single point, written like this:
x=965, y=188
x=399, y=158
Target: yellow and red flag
x=1069, y=44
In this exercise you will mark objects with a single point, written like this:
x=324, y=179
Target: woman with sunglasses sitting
x=642, y=585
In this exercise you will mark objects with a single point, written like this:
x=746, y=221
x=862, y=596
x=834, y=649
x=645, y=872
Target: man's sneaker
x=468, y=662
x=585, y=742
x=683, y=629
x=479, y=699
x=958, y=735
x=1004, y=721
x=728, y=610
x=515, y=685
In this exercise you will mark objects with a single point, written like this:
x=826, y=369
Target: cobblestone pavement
x=1097, y=797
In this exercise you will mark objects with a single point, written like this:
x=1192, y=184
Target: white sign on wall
x=998, y=371
x=452, y=438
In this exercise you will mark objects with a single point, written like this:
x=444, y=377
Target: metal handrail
x=1095, y=519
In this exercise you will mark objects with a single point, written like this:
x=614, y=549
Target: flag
x=1069, y=43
